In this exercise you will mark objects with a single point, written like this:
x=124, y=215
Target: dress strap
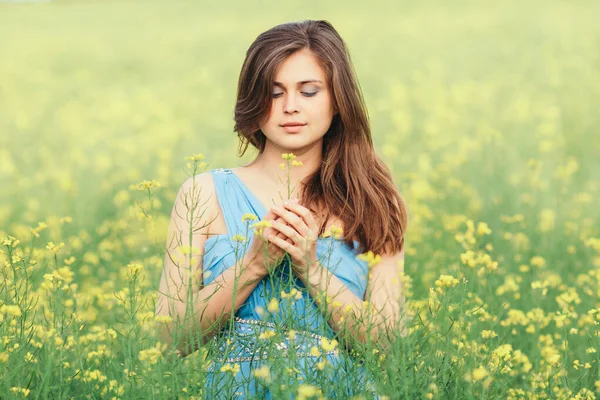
x=234, y=203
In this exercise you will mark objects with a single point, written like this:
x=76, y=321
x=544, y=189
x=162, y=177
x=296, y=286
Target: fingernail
x=295, y=200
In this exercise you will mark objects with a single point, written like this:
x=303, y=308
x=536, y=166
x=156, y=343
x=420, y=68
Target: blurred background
x=482, y=110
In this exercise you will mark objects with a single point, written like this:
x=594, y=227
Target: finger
x=292, y=219
x=288, y=231
x=284, y=245
x=281, y=235
x=303, y=212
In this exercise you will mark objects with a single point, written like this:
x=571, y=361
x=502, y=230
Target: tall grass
x=486, y=114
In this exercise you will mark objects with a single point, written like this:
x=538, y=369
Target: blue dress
x=244, y=344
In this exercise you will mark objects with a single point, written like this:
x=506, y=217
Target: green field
x=487, y=113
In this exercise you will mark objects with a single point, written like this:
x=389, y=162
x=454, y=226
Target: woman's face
x=294, y=100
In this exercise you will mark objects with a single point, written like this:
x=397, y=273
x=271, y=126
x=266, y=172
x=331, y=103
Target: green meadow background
x=487, y=114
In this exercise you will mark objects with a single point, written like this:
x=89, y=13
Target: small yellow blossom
x=260, y=225
x=55, y=248
x=273, y=305
x=234, y=369
x=288, y=156
x=483, y=229
x=267, y=334
x=238, y=238
x=328, y=345
x=13, y=311
x=262, y=372
x=145, y=185
x=334, y=231
x=538, y=261
x=163, y=319
x=305, y=391
x=479, y=373
x=488, y=334
x=249, y=217
x=371, y=258
x=195, y=157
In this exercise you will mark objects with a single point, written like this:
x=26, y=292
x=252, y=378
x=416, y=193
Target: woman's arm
x=193, y=308
x=382, y=311
x=210, y=308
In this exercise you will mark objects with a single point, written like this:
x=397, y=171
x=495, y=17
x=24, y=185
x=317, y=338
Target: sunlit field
x=488, y=116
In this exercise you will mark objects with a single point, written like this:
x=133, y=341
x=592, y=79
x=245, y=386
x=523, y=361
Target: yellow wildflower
x=488, y=334
x=371, y=258
x=328, y=345
x=267, y=334
x=479, y=373
x=262, y=372
x=314, y=351
x=273, y=305
x=249, y=217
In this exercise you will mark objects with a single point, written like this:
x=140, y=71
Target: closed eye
x=306, y=94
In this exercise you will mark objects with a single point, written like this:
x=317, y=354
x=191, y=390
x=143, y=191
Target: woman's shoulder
x=199, y=191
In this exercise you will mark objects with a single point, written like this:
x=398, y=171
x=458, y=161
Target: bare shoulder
x=197, y=200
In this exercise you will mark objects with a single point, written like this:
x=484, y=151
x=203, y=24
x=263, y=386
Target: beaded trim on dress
x=280, y=346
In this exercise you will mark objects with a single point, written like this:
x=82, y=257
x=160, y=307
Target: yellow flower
x=249, y=217
x=445, y=281
x=238, y=238
x=308, y=391
x=10, y=241
x=163, y=319
x=259, y=226
x=291, y=334
x=334, y=231
x=13, y=311
x=145, y=185
x=152, y=355
x=16, y=389
x=273, y=305
x=55, y=248
x=328, y=345
x=371, y=258
x=479, y=373
x=262, y=372
x=234, y=369
x=36, y=231
x=314, y=351
x=195, y=157
x=267, y=334
x=488, y=334
x=538, y=261
x=134, y=268
x=288, y=156
x=483, y=229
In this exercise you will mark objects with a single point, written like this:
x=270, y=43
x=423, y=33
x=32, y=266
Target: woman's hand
x=302, y=230
x=264, y=255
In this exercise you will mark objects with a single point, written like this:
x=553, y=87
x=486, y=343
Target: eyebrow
x=299, y=83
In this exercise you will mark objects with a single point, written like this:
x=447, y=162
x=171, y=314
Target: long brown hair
x=352, y=180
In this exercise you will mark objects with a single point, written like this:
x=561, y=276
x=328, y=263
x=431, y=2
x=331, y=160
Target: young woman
x=271, y=293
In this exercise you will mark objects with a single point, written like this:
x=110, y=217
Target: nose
x=289, y=104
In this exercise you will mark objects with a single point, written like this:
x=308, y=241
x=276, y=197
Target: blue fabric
x=238, y=343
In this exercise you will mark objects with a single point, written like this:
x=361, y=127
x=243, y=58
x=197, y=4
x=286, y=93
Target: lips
x=293, y=128
x=293, y=124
